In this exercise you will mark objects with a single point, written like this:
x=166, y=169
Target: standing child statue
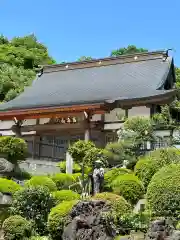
x=98, y=177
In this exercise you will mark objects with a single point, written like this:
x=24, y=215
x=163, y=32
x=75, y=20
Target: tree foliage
x=130, y=49
x=14, y=149
x=19, y=60
x=84, y=58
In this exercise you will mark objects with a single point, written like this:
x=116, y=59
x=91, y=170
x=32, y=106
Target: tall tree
x=84, y=58
x=19, y=60
x=130, y=49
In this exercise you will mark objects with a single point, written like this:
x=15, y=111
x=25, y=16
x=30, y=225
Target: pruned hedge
x=8, y=186
x=128, y=186
x=147, y=166
x=43, y=181
x=65, y=195
x=17, y=228
x=163, y=192
x=57, y=218
x=110, y=175
x=63, y=180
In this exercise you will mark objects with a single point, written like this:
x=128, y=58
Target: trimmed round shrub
x=63, y=180
x=62, y=166
x=163, y=192
x=147, y=166
x=118, y=203
x=110, y=175
x=34, y=204
x=57, y=218
x=65, y=195
x=8, y=186
x=145, y=169
x=16, y=228
x=43, y=181
x=128, y=186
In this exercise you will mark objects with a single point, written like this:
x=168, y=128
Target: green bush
x=8, y=186
x=147, y=166
x=34, y=204
x=57, y=218
x=65, y=195
x=16, y=228
x=163, y=192
x=178, y=226
x=43, y=181
x=110, y=175
x=63, y=180
x=14, y=149
x=62, y=166
x=118, y=203
x=128, y=186
x=39, y=238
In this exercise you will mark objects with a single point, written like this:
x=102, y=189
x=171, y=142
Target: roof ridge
x=136, y=57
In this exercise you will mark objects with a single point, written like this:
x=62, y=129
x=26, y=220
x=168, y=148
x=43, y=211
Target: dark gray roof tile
x=131, y=80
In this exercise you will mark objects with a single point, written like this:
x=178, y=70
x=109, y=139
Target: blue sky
x=71, y=29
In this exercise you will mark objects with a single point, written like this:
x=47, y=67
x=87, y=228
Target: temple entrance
x=49, y=147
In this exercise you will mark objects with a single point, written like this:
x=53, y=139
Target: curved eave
x=159, y=97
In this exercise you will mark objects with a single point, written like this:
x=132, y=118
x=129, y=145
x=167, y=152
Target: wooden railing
x=54, y=152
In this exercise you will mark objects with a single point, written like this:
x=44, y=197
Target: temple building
x=87, y=100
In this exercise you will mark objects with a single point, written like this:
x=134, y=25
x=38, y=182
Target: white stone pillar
x=69, y=163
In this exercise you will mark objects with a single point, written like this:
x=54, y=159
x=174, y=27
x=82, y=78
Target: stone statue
x=98, y=177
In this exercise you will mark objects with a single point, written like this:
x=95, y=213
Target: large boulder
x=86, y=222
x=162, y=229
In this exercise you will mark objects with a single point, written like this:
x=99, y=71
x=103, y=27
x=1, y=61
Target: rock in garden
x=162, y=230
x=86, y=222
